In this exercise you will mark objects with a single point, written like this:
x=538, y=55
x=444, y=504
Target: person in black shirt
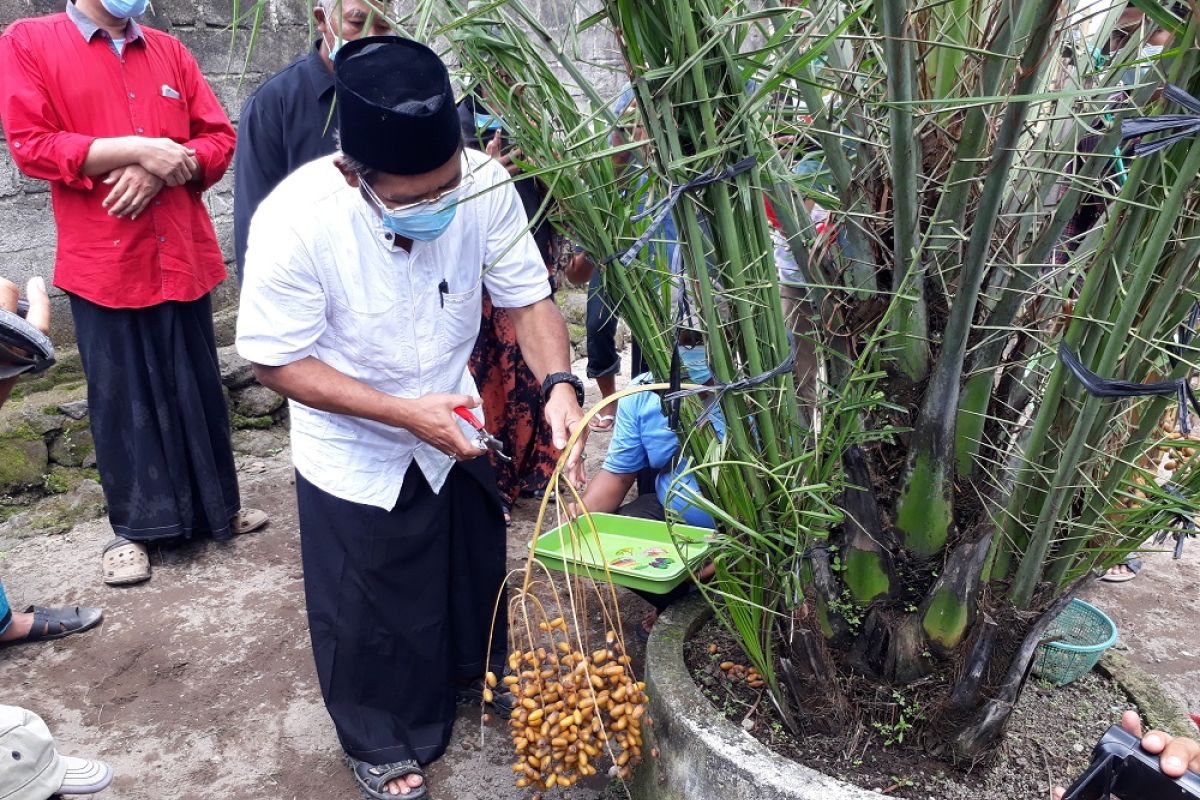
x=287, y=122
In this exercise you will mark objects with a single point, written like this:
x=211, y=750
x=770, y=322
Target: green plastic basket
x=1082, y=633
x=636, y=553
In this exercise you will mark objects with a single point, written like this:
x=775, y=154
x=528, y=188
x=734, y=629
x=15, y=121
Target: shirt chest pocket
x=372, y=327
x=458, y=317
x=172, y=118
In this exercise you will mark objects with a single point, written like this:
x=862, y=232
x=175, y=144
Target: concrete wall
x=27, y=235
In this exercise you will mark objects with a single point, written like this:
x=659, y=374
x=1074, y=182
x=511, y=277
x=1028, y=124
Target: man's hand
x=133, y=189
x=563, y=415
x=170, y=161
x=506, y=160
x=431, y=419
x=1177, y=754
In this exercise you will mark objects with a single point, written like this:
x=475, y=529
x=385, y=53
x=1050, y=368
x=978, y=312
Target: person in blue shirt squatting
x=642, y=439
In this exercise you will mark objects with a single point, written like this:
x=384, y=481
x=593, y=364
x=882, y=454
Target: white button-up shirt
x=323, y=279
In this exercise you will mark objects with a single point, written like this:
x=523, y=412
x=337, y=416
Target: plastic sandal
x=372, y=779
x=125, y=562
x=55, y=623
x=248, y=520
x=1134, y=565
x=602, y=423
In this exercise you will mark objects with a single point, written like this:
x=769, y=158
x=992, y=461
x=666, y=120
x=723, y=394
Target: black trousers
x=400, y=604
x=159, y=418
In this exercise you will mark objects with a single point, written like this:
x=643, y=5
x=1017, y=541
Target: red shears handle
x=465, y=414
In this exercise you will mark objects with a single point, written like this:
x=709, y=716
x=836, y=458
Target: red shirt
x=58, y=93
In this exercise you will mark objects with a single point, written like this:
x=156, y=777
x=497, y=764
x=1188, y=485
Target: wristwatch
x=555, y=378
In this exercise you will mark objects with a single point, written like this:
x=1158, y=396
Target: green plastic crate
x=640, y=553
x=1082, y=633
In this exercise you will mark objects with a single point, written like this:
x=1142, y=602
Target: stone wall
x=27, y=236
x=206, y=27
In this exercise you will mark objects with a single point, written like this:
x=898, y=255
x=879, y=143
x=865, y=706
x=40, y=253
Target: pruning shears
x=483, y=439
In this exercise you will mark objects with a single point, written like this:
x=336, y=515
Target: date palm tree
x=991, y=238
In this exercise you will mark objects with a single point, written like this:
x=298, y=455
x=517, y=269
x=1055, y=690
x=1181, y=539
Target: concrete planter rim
x=713, y=751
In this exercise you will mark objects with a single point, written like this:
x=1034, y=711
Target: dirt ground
x=1156, y=617
x=200, y=684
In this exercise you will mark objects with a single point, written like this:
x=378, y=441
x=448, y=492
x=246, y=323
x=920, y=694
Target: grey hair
x=350, y=162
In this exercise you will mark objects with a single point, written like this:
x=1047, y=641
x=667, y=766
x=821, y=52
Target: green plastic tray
x=640, y=553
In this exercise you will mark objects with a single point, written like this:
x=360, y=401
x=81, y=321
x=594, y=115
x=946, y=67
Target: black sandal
x=55, y=623
x=372, y=778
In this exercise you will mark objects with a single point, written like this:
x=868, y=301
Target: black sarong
x=159, y=418
x=399, y=607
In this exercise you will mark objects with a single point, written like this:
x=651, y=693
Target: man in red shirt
x=120, y=121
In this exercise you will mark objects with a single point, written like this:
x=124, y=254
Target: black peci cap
x=395, y=105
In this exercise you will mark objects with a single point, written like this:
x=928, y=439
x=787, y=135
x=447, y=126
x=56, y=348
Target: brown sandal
x=125, y=562
x=248, y=520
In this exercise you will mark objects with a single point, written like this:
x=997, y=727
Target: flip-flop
x=602, y=423
x=55, y=623
x=372, y=779
x=125, y=562
x=1134, y=565
x=248, y=520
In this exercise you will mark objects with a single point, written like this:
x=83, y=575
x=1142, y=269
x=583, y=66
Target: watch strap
x=555, y=378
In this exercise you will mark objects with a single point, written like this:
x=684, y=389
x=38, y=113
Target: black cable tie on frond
x=1184, y=125
x=658, y=212
x=1105, y=387
x=719, y=390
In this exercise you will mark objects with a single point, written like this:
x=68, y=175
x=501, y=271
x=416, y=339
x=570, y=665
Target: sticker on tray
x=654, y=551
x=622, y=563
x=625, y=551
x=662, y=563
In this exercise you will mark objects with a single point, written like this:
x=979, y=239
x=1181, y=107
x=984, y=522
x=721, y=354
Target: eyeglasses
x=466, y=180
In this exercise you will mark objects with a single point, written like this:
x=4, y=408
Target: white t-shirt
x=323, y=279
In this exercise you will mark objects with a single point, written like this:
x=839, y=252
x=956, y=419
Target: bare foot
x=20, y=627
x=405, y=785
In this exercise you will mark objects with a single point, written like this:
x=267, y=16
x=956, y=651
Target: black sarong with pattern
x=400, y=607
x=159, y=418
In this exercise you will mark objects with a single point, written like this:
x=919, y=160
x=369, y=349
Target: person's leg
x=603, y=360
x=158, y=418
x=50, y=623
x=375, y=590
x=798, y=315
x=6, y=619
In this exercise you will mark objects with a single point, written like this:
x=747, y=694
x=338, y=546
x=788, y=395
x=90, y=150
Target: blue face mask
x=334, y=46
x=421, y=225
x=487, y=122
x=695, y=361
x=125, y=9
